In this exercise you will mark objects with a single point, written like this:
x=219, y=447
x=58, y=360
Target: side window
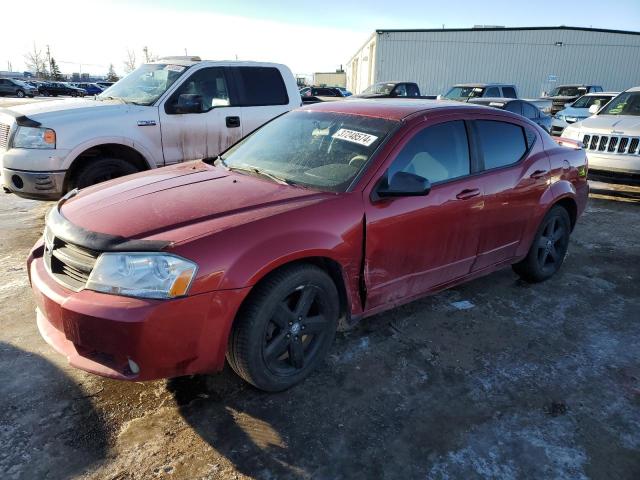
x=261, y=86
x=515, y=107
x=501, y=143
x=437, y=153
x=509, y=92
x=209, y=84
x=492, y=92
x=412, y=90
x=400, y=90
x=530, y=111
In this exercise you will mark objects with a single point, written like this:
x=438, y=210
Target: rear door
x=218, y=125
x=262, y=94
x=515, y=172
x=4, y=87
x=416, y=243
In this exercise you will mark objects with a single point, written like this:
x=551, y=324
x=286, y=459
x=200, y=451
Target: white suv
x=169, y=111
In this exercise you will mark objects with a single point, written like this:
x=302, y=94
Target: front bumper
x=34, y=185
x=614, y=163
x=101, y=333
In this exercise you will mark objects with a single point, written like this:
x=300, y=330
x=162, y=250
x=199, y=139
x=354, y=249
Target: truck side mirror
x=188, y=103
x=593, y=109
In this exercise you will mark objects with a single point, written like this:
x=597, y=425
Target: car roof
x=189, y=61
x=484, y=100
x=388, y=108
x=483, y=85
x=633, y=89
x=599, y=94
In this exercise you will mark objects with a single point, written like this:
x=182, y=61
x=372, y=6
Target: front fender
x=113, y=140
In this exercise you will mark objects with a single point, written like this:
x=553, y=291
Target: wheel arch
x=137, y=156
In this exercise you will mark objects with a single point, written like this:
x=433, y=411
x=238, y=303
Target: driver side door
x=210, y=130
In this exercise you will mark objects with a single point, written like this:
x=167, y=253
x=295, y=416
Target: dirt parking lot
x=531, y=381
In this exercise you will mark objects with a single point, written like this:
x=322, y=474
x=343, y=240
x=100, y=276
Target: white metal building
x=536, y=59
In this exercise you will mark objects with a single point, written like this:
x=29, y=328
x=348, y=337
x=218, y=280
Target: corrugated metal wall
x=528, y=58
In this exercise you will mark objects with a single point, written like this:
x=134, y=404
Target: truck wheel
x=20, y=94
x=548, y=249
x=285, y=328
x=101, y=170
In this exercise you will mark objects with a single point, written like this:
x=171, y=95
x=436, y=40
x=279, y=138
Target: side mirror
x=439, y=97
x=188, y=103
x=593, y=109
x=404, y=184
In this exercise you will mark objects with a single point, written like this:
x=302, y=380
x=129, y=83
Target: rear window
x=501, y=143
x=260, y=86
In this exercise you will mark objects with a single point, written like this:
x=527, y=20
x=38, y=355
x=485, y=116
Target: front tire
x=101, y=170
x=285, y=328
x=549, y=247
x=20, y=94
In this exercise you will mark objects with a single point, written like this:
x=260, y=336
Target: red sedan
x=323, y=216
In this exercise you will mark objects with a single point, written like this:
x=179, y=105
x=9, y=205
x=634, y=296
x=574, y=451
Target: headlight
x=146, y=275
x=34, y=137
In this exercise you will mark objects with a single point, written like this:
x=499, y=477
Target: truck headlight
x=145, y=275
x=34, y=137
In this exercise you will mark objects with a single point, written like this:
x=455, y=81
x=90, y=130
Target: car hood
x=575, y=112
x=180, y=202
x=52, y=110
x=608, y=124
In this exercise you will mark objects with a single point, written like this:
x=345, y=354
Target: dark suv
x=10, y=86
x=58, y=88
x=564, y=94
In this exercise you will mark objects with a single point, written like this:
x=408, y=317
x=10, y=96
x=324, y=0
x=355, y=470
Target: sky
x=307, y=36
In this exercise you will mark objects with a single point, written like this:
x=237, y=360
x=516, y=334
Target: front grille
x=612, y=144
x=4, y=135
x=69, y=264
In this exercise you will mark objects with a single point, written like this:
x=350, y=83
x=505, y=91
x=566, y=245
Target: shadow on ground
x=48, y=426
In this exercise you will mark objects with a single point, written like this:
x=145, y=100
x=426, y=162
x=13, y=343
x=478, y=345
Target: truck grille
x=4, y=135
x=69, y=264
x=612, y=144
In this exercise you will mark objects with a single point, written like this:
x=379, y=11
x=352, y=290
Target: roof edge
x=505, y=29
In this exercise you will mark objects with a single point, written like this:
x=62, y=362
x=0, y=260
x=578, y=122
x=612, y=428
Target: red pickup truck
x=323, y=216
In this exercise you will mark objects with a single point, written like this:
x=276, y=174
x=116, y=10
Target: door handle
x=468, y=193
x=233, y=122
x=538, y=174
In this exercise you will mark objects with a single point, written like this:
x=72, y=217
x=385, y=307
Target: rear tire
x=101, y=170
x=285, y=328
x=548, y=249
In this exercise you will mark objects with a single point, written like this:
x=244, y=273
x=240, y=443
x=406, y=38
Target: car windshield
x=21, y=83
x=464, y=92
x=144, y=85
x=627, y=103
x=379, y=89
x=319, y=150
x=566, y=92
x=587, y=100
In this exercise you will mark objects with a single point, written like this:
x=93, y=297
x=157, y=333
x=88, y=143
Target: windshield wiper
x=263, y=173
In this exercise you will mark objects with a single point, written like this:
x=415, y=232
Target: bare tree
x=36, y=62
x=148, y=56
x=130, y=61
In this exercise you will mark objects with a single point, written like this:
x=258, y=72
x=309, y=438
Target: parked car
x=105, y=85
x=90, y=88
x=391, y=90
x=322, y=94
x=304, y=90
x=561, y=96
x=326, y=215
x=579, y=110
x=521, y=107
x=11, y=86
x=345, y=92
x=53, y=89
x=611, y=137
x=463, y=92
x=162, y=113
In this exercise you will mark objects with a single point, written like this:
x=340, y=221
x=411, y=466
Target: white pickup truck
x=169, y=111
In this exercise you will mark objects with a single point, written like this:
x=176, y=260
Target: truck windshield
x=464, y=92
x=627, y=103
x=319, y=150
x=144, y=85
x=379, y=89
x=567, y=92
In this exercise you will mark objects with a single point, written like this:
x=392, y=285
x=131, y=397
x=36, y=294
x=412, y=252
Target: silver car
x=579, y=110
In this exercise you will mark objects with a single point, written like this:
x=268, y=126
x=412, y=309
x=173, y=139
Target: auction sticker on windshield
x=360, y=138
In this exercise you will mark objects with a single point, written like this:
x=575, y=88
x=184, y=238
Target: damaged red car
x=323, y=216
